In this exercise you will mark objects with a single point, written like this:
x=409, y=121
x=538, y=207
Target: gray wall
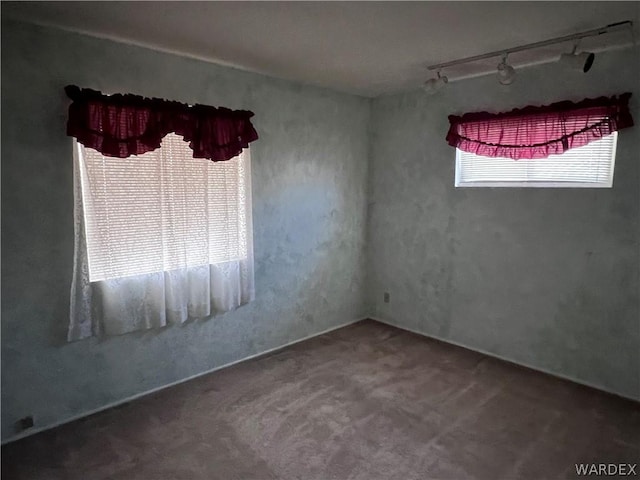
x=309, y=174
x=544, y=277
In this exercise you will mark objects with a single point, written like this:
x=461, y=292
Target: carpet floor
x=367, y=401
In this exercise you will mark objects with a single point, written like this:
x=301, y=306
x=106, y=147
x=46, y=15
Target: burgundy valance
x=124, y=125
x=537, y=132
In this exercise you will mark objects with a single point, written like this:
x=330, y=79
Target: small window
x=163, y=210
x=589, y=166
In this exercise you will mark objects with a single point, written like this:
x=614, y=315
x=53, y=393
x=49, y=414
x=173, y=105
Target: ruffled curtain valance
x=124, y=125
x=537, y=132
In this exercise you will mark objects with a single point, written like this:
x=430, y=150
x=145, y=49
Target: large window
x=590, y=165
x=163, y=210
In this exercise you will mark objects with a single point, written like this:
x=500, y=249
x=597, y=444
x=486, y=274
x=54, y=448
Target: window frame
x=78, y=160
x=535, y=184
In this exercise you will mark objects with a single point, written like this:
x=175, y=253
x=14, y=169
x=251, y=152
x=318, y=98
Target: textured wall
x=309, y=176
x=544, y=277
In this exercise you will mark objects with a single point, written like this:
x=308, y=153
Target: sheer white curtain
x=159, y=238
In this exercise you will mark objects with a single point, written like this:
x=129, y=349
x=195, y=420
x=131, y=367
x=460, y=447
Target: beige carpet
x=364, y=402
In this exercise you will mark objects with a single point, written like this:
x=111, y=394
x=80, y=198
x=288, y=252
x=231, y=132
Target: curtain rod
x=544, y=43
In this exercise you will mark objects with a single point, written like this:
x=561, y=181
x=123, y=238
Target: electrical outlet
x=26, y=422
x=387, y=297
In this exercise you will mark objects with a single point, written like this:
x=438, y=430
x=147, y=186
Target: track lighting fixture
x=578, y=61
x=506, y=73
x=434, y=84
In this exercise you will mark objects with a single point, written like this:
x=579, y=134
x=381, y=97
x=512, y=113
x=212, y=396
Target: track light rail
x=544, y=43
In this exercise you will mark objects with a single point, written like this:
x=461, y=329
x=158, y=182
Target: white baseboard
x=509, y=360
x=33, y=431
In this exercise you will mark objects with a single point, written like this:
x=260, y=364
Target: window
x=563, y=144
x=590, y=165
x=163, y=210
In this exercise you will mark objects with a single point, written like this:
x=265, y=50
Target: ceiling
x=364, y=48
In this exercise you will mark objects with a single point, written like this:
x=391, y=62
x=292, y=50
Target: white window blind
x=163, y=210
x=591, y=165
